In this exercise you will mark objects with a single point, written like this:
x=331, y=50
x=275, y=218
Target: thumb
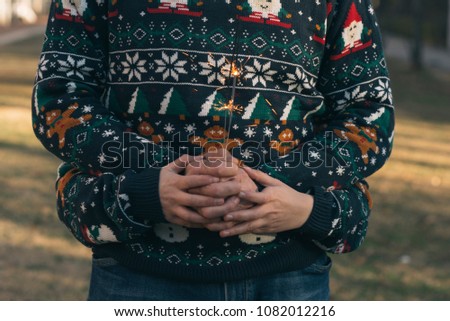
x=261, y=177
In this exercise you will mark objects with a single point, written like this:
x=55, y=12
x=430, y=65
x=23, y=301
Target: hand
x=218, y=163
x=246, y=183
x=228, y=187
x=176, y=201
x=278, y=208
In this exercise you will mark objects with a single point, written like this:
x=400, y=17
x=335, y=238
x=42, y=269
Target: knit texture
x=124, y=88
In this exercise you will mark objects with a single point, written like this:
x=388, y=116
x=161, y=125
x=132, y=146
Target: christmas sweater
x=123, y=88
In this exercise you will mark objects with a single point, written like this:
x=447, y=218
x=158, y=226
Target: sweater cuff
x=319, y=224
x=143, y=192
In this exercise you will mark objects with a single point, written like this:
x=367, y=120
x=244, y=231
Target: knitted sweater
x=123, y=88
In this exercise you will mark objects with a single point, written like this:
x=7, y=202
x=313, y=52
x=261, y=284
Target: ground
x=405, y=256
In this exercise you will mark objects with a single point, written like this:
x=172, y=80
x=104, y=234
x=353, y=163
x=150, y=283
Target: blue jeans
x=114, y=282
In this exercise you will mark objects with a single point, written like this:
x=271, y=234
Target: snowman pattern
x=255, y=239
x=171, y=233
x=264, y=11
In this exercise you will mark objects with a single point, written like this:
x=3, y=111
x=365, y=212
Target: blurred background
x=406, y=254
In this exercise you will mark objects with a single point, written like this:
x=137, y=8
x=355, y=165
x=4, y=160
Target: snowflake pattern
x=384, y=91
x=42, y=67
x=340, y=170
x=169, y=128
x=74, y=68
x=298, y=81
x=351, y=97
x=133, y=66
x=259, y=73
x=190, y=128
x=214, y=69
x=268, y=131
x=170, y=66
x=249, y=132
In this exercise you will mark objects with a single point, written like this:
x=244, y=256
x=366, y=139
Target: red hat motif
x=353, y=15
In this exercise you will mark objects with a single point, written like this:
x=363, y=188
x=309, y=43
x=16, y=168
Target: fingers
x=196, y=181
x=219, y=226
x=182, y=162
x=244, y=228
x=219, y=154
x=245, y=215
x=190, y=200
x=254, y=197
x=262, y=177
x=187, y=217
x=222, y=189
x=181, y=222
x=219, y=211
x=217, y=168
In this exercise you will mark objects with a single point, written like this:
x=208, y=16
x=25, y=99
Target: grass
x=405, y=256
x=39, y=260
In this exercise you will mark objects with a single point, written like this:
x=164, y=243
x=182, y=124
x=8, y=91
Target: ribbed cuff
x=319, y=222
x=143, y=191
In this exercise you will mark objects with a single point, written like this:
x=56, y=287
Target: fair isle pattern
x=149, y=75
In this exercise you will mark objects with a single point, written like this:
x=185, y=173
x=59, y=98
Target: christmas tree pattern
x=173, y=104
x=292, y=110
x=41, y=98
x=36, y=100
x=380, y=118
x=213, y=106
x=139, y=103
x=112, y=103
x=258, y=109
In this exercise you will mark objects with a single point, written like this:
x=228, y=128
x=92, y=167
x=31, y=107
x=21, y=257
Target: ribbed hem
x=290, y=257
x=143, y=190
x=318, y=224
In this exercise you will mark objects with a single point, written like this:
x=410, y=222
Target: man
x=159, y=117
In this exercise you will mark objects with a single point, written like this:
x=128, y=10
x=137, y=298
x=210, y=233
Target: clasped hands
x=212, y=191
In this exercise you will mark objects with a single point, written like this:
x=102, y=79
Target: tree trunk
x=448, y=26
x=5, y=12
x=417, y=47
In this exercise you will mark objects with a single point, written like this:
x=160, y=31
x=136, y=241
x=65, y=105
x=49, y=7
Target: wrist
x=318, y=223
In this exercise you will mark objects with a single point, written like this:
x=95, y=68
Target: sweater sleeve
x=97, y=209
x=356, y=138
x=69, y=114
x=339, y=220
x=109, y=208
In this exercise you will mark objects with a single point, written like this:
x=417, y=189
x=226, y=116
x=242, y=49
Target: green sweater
x=123, y=88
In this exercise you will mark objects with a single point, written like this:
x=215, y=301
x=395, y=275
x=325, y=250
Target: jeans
x=114, y=282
